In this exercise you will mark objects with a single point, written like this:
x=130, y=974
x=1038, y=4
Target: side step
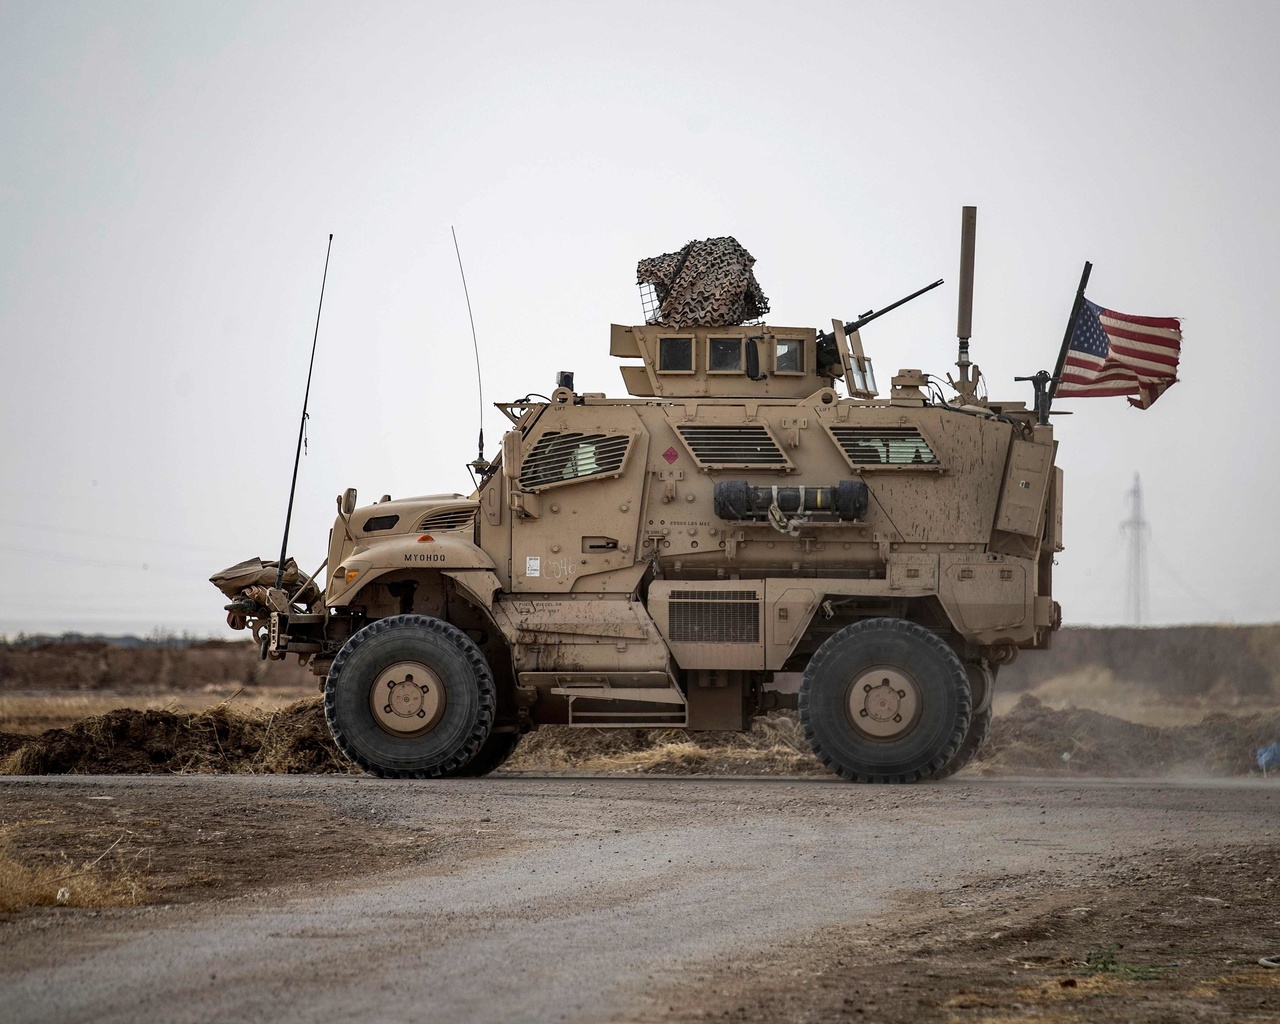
x=670, y=710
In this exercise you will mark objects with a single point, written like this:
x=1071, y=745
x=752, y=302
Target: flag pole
x=1066, y=339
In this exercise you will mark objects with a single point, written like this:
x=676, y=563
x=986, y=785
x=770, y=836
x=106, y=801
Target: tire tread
x=979, y=730
x=465, y=646
x=830, y=651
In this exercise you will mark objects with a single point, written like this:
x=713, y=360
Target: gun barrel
x=862, y=321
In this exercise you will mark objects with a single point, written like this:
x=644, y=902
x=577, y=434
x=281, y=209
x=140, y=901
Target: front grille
x=733, y=446
x=714, y=617
x=445, y=519
x=884, y=446
x=562, y=457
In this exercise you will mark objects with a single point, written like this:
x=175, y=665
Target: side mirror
x=347, y=503
x=511, y=454
x=753, y=361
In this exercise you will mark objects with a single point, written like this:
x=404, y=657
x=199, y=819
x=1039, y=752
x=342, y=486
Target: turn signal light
x=352, y=574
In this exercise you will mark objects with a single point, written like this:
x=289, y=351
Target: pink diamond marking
x=671, y=455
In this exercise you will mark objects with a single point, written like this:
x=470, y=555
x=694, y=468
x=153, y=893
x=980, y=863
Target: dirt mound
x=293, y=740
x=1034, y=737
x=10, y=742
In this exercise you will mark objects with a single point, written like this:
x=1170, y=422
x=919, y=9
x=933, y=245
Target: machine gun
x=828, y=347
x=872, y=314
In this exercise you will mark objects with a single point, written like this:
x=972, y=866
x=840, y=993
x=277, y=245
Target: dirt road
x=588, y=898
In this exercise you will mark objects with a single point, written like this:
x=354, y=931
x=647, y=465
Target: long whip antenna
x=476, y=344
x=302, y=426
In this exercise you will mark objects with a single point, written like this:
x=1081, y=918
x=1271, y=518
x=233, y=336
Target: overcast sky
x=170, y=172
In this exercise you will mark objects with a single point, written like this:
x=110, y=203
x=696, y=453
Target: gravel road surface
x=569, y=898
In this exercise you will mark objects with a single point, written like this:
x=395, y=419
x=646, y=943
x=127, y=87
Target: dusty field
x=1152, y=938
x=175, y=893
x=589, y=899
x=1032, y=737
x=94, y=665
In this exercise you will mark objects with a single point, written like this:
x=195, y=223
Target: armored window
x=675, y=355
x=733, y=446
x=724, y=355
x=885, y=448
x=790, y=355
x=563, y=457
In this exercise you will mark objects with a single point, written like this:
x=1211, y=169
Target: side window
x=790, y=355
x=675, y=355
x=724, y=355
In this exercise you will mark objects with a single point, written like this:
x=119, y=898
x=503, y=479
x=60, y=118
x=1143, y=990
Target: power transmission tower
x=1137, y=528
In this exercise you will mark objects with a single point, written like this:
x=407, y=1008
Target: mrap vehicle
x=752, y=507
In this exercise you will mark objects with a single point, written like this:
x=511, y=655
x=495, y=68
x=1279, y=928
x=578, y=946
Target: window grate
x=563, y=457
x=714, y=617
x=733, y=446
x=650, y=303
x=884, y=446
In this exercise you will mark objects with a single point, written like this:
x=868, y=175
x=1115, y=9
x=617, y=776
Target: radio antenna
x=302, y=426
x=480, y=465
x=966, y=387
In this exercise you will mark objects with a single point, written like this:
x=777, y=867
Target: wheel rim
x=407, y=699
x=884, y=703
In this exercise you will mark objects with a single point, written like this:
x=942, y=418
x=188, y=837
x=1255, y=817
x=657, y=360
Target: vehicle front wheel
x=885, y=700
x=410, y=696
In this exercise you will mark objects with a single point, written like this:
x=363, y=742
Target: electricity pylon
x=1137, y=529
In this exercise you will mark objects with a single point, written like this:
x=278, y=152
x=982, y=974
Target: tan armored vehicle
x=752, y=507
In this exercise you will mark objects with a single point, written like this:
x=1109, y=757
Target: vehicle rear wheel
x=885, y=700
x=410, y=696
x=492, y=756
x=979, y=730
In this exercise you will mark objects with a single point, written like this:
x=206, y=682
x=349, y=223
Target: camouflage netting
x=705, y=284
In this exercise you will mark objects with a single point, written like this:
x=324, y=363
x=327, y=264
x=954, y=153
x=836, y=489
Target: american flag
x=1117, y=354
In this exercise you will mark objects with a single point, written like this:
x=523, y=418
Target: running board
x=655, y=688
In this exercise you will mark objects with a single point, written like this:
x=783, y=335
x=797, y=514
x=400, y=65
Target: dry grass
x=112, y=879
x=775, y=745
x=1030, y=737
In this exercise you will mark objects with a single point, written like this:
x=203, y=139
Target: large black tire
x=885, y=700
x=492, y=756
x=979, y=730
x=408, y=659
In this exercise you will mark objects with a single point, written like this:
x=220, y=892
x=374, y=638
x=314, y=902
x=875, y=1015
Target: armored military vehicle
x=753, y=507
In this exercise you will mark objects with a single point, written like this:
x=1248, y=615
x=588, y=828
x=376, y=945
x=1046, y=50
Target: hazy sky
x=169, y=174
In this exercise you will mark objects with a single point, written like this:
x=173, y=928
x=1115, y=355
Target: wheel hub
x=884, y=703
x=407, y=699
